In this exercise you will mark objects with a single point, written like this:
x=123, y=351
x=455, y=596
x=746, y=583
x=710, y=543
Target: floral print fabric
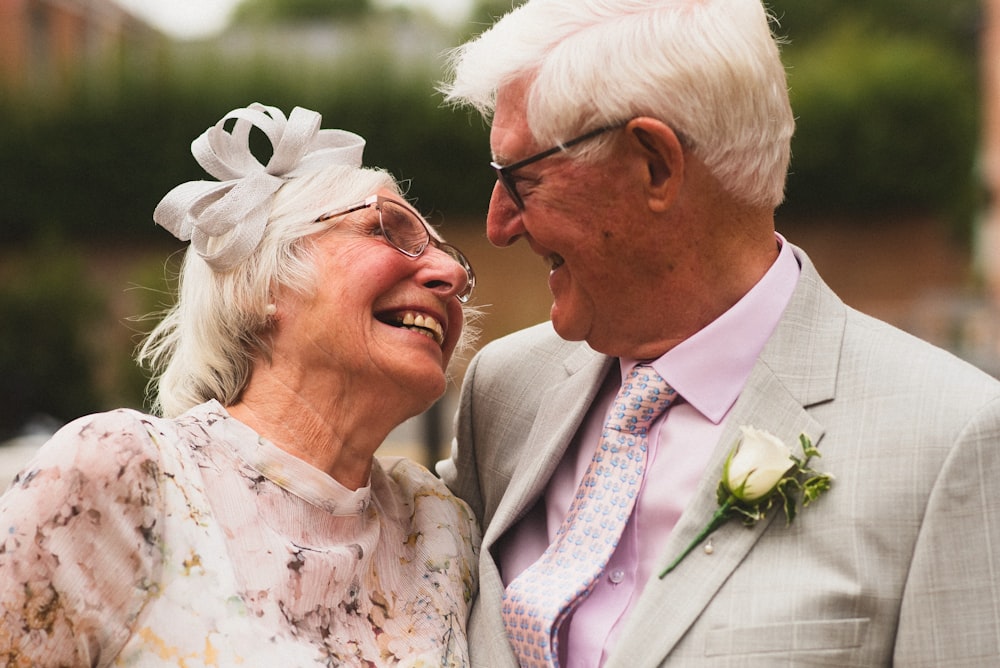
x=138, y=541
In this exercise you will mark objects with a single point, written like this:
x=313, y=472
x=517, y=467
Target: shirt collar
x=710, y=368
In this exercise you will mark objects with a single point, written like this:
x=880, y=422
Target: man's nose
x=503, y=221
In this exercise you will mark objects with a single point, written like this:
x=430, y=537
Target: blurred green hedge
x=46, y=356
x=885, y=123
x=886, y=120
x=95, y=165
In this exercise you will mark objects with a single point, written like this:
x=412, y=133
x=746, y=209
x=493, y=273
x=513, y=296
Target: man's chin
x=567, y=328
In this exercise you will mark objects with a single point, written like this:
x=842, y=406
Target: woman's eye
x=368, y=227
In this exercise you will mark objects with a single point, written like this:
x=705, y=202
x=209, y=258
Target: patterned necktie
x=541, y=597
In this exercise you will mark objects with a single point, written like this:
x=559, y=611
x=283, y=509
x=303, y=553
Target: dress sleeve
x=447, y=525
x=78, y=546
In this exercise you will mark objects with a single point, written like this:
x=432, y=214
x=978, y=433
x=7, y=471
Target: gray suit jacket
x=899, y=564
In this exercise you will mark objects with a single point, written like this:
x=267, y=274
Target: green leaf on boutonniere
x=759, y=472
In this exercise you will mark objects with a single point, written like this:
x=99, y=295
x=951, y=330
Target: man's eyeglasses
x=505, y=173
x=406, y=231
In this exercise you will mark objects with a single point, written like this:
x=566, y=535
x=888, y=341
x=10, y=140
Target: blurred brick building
x=46, y=44
x=990, y=246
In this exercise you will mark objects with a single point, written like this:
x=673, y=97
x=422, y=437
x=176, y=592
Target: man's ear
x=660, y=149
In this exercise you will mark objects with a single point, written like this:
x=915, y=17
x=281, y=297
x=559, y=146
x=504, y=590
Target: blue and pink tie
x=541, y=597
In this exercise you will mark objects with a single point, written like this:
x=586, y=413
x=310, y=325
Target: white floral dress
x=131, y=540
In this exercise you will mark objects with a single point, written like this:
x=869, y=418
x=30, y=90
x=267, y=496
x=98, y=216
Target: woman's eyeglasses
x=406, y=231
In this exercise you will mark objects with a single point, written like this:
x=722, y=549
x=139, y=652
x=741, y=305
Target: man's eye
x=525, y=182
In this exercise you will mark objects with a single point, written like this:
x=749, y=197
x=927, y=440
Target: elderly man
x=641, y=148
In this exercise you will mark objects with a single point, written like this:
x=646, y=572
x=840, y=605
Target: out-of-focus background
x=895, y=164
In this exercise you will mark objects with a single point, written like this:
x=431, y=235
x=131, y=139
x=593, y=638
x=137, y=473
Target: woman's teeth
x=424, y=324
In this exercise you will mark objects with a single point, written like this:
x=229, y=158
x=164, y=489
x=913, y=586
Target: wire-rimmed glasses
x=406, y=231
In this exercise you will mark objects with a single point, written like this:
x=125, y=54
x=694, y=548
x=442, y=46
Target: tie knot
x=642, y=398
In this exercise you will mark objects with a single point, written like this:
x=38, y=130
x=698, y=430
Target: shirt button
x=616, y=576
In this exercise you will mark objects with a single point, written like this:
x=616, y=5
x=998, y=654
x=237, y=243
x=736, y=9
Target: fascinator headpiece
x=225, y=220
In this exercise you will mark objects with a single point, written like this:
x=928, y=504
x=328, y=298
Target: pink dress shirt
x=709, y=371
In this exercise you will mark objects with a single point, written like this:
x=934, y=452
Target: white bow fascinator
x=225, y=220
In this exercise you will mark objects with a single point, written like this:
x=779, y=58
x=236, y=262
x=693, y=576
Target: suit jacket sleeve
x=459, y=471
x=950, y=612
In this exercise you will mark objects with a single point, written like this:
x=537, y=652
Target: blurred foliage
x=95, y=168
x=270, y=11
x=886, y=98
x=46, y=359
x=886, y=101
x=485, y=12
x=64, y=351
x=954, y=23
x=883, y=124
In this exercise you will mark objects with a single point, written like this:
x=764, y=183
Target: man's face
x=588, y=222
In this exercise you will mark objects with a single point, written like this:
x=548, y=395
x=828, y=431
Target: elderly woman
x=250, y=523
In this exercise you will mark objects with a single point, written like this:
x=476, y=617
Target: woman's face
x=379, y=321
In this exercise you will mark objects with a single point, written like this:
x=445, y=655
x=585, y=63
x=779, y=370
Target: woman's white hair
x=206, y=344
x=710, y=69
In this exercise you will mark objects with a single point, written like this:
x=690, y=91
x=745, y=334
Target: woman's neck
x=326, y=430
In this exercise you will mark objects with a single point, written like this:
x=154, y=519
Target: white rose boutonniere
x=760, y=470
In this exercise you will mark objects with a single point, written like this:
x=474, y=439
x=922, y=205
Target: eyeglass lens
x=505, y=173
x=409, y=235
x=402, y=229
x=508, y=183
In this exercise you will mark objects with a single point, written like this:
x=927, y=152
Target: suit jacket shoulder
x=522, y=398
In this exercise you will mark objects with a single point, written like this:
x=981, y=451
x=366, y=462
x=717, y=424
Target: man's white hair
x=710, y=69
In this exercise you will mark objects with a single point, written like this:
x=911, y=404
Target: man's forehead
x=509, y=132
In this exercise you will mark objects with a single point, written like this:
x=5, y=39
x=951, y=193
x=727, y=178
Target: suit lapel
x=559, y=417
x=667, y=608
x=797, y=369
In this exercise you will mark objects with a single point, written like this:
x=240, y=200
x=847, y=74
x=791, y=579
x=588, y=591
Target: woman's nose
x=444, y=274
x=503, y=221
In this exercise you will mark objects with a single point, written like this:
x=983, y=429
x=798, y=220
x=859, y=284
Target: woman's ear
x=660, y=149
